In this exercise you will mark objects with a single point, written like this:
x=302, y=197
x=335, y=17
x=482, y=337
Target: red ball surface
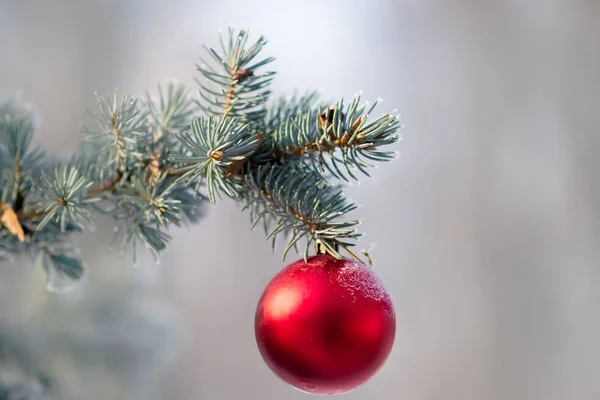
x=326, y=326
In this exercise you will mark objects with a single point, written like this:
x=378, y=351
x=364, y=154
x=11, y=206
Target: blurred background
x=487, y=228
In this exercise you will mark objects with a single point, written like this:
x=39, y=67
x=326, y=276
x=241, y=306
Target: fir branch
x=171, y=111
x=59, y=258
x=134, y=230
x=112, y=168
x=153, y=162
x=292, y=199
x=122, y=128
x=282, y=108
x=16, y=137
x=211, y=147
x=142, y=210
x=286, y=107
x=63, y=198
x=338, y=139
x=16, y=154
x=153, y=199
x=236, y=89
x=60, y=262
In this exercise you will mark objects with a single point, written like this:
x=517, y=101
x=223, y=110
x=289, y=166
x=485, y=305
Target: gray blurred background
x=487, y=228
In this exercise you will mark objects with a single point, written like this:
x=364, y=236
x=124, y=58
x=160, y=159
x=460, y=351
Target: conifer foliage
x=151, y=162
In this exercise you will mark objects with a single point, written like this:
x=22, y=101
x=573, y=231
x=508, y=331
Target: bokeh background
x=487, y=228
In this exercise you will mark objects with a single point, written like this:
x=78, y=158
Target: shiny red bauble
x=325, y=326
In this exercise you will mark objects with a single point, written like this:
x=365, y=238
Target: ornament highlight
x=325, y=326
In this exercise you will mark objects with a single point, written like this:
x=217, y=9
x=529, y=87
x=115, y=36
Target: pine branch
x=153, y=162
x=278, y=113
x=212, y=146
x=122, y=129
x=120, y=167
x=236, y=89
x=337, y=139
x=170, y=112
x=294, y=200
x=63, y=197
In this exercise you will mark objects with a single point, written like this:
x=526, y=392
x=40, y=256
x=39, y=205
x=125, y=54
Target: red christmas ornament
x=326, y=326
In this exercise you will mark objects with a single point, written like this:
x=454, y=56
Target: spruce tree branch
x=235, y=88
x=101, y=190
x=170, y=112
x=152, y=162
x=338, y=140
x=293, y=199
x=167, y=115
x=121, y=168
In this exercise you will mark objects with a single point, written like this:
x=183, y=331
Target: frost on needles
x=151, y=162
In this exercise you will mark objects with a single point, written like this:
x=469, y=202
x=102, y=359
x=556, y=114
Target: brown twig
x=326, y=147
x=107, y=187
x=236, y=77
x=326, y=120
